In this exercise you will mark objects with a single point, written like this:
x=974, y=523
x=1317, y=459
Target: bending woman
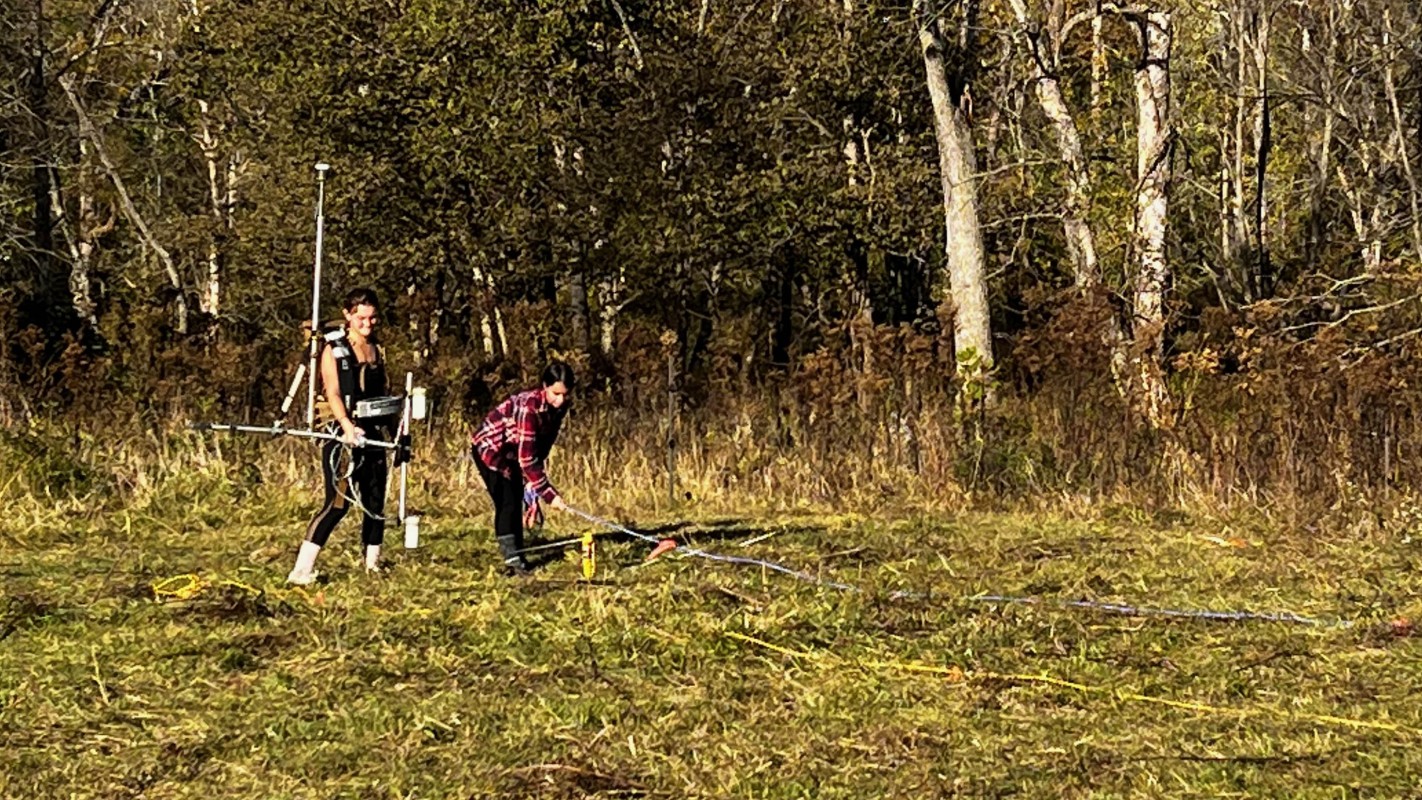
x=510, y=449
x=352, y=370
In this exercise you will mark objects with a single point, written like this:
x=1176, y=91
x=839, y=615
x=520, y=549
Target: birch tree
x=1044, y=44
x=80, y=230
x=957, y=164
x=1154, y=143
x=1246, y=145
x=223, y=174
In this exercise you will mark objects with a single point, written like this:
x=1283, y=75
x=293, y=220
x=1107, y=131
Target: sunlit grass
x=442, y=678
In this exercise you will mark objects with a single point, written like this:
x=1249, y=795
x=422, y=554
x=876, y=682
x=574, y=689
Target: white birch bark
x=1365, y=225
x=1098, y=59
x=957, y=165
x=1238, y=233
x=1043, y=44
x=1259, y=49
x=1154, y=140
x=1390, y=85
x=80, y=233
x=610, y=303
x=486, y=309
x=211, y=298
x=1326, y=107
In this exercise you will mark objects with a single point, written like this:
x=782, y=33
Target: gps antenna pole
x=312, y=371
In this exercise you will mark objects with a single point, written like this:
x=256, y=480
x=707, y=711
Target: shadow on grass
x=234, y=604
x=567, y=780
x=24, y=611
x=725, y=530
x=540, y=552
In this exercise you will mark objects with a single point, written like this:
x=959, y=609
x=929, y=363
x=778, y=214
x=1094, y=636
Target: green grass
x=681, y=678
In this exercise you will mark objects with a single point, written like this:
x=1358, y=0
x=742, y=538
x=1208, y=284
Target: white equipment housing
x=378, y=407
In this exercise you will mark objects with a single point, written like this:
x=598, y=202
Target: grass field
x=682, y=678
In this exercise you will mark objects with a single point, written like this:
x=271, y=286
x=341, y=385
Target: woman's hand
x=558, y=504
x=354, y=436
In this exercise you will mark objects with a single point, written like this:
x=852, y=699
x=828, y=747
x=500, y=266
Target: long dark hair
x=559, y=371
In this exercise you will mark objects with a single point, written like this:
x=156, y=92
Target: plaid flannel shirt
x=517, y=437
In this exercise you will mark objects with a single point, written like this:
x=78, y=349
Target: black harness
x=347, y=367
x=363, y=388
x=359, y=381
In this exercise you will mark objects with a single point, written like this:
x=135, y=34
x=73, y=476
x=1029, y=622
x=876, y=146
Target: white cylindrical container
x=412, y=531
x=418, y=407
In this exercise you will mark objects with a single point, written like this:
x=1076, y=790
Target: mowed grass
x=683, y=678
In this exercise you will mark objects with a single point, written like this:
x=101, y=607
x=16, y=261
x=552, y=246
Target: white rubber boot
x=304, y=573
x=372, y=558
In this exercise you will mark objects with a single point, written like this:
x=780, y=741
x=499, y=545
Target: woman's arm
x=530, y=461
x=331, y=380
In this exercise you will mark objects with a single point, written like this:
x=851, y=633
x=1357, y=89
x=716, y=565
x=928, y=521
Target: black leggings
x=507, y=495
x=366, y=484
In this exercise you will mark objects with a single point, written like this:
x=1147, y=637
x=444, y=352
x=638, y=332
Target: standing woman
x=352, y=369
x=510, y=448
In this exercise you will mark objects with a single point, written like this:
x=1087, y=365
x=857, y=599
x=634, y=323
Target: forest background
x=822, y=251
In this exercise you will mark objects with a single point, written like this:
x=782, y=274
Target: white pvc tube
x=291, y=393
x=313, y=372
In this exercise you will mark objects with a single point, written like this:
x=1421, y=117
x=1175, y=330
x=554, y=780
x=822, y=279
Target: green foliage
x=760, y=183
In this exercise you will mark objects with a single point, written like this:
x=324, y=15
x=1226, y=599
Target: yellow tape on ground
x=958, y=675
x=240, y=585
x=182, y=587
x=769, y=646
x=186, y=587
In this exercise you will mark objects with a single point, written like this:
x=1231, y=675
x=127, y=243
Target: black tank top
x=359, y=380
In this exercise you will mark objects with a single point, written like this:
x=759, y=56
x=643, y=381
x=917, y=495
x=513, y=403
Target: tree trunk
x=491, y=322
x=782, y=327
x=79, y=234
x=412, y=291
x=610, y=303
x=1263, y=143
x=40, y=176
x=1238, y=228
x=1366, y=226
x=1390, y=85
x=1226, y=217
x=1245, y=150
x=1098, y=59
x=435, y=319
x=1154, y=143
x=1323, y=171
x=1081, y=244
x=499, y=329
x=235, y=167
x=211, y=298
x=578, y=305
x=851, y=151
x=972, y=339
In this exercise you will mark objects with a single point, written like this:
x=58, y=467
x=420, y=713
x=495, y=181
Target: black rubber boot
x=514, y=563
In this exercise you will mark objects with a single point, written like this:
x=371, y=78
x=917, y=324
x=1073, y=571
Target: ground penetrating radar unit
x=412, y=406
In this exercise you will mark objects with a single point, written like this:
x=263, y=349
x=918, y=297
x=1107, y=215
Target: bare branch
x=627, y=29
x=1355, y=312
x=87, y=129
